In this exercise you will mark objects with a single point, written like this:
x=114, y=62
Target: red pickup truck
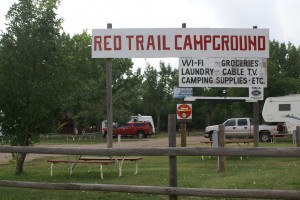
x=139, y=129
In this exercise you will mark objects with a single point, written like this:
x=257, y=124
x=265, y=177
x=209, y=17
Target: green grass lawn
x=193, y=172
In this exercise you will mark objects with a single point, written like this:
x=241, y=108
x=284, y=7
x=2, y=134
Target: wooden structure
x=170, y=151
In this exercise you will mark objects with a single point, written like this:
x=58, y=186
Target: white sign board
x=256, y=93
x=181, y=93
x=222, y=72
x=180, y=42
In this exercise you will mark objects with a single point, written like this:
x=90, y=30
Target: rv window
x=284, y=107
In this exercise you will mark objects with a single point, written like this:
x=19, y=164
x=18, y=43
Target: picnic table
x=118, y=161
x=74, y=162
x=275, y=136
x=237, y=141
x=246, y=141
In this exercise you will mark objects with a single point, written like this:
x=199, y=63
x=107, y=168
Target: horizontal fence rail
x=241, y=193
x=170, y=151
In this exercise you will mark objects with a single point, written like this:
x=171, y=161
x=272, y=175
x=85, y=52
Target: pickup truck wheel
x=104, y=135
x=140, y=134
x=264, y=137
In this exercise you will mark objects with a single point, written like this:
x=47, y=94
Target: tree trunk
x=22, y=156
x=20, y=164
x=158, y=122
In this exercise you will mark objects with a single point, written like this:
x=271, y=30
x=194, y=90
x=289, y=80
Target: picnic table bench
x=118, y=160
x=73, y=162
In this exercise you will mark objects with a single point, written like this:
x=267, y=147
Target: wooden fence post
x=256, y=124
x=172, y=159
x=183, y=134
x=298, y=136
x=221, y=140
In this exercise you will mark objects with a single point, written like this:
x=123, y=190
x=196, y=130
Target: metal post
x=109, y=99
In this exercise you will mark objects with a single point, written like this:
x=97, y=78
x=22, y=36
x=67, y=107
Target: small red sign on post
x=184, y=111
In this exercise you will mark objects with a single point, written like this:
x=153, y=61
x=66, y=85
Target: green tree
x=126, y=91
x=283, y=69
x=30, y=77
x=84, y=91
x=157, y=90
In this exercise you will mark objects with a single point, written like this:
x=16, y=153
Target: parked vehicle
x=283, y=109
x=139, y=129
x=141, y=118
x=104, y=124
x=243, y=128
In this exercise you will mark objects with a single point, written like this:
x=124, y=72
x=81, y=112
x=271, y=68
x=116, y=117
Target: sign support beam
x=194, y=98
x=183, y=124
x=255, y=119
x=109, y=135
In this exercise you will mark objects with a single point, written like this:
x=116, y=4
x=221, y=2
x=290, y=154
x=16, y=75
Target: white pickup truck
x=242, y=128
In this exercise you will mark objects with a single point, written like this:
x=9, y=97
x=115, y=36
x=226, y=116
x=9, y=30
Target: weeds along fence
x=172, y=152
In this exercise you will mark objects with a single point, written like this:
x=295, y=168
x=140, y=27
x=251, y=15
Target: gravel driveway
x=192, y=141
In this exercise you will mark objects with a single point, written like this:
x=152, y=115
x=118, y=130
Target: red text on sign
x=150, y=42
x=220, y=42
x=107, y=43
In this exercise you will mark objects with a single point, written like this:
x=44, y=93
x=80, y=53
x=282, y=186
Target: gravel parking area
x=192, y=141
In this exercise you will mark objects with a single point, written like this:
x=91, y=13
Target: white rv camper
x=140, y=118
x=284, y=109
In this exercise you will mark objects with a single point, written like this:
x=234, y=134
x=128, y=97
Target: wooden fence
x=168, y=151
x=172, y=151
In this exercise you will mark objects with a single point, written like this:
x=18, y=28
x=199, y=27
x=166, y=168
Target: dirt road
x=192, y=141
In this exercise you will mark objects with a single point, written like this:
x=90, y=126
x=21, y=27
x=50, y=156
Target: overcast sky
x=281, y=17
